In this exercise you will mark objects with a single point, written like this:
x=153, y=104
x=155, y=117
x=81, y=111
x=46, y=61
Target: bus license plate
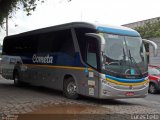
x=129, y=93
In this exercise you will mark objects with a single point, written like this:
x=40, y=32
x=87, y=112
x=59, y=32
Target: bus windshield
x=124, y=55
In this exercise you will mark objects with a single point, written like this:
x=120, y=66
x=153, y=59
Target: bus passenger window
x=63, y=42
x=92, y=53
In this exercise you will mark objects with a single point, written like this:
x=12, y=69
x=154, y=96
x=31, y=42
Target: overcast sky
x=113, y=12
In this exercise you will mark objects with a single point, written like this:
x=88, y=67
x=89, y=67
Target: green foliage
x=149, y=30
x=8, y=7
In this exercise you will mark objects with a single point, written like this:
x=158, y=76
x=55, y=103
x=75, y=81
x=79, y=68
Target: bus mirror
x=98, y=37
x=154, y=45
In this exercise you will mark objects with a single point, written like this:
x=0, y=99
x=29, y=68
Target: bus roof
x=118, y=30
x=101, y=28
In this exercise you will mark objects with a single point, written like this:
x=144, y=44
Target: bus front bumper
x=109, y=92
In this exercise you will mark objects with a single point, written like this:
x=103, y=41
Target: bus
x=79, y=58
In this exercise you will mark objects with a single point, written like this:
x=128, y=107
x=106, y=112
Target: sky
x=54, y=12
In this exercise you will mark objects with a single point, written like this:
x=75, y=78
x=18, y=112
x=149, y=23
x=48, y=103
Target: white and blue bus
x=79, y=59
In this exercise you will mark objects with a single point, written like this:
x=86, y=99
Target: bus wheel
x=152, y=88
x=17, y=82
x=70, y=88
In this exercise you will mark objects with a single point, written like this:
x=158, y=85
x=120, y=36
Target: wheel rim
x=71, y=88
x=152, y=88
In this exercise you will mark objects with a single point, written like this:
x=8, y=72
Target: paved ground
x=36, y=100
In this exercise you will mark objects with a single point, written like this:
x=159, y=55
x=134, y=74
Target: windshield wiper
x=134, y=62
x=123, y=61
x=124, y=55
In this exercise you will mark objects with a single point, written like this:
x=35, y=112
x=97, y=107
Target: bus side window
x=92, y=51
x=45, y=43
x=63, y=42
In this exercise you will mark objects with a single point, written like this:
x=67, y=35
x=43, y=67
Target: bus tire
x=69, y=88
x=152, y=88
x=16, y=79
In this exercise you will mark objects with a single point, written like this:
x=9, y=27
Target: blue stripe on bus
x=125, y=80
x=118, y=31
x=60, y=59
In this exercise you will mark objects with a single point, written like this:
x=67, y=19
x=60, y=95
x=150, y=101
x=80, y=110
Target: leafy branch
x=149, y=30
x=9, y=7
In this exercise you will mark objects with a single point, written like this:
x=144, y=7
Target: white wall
x=154, y=60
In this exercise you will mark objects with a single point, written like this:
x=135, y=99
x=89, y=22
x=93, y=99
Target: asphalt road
x=153, y=97
x=152, y=101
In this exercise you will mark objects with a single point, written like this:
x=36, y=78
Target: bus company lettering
x=42, y=59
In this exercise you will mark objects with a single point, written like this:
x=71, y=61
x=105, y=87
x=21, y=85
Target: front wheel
x=152, y=88
x=70, y=88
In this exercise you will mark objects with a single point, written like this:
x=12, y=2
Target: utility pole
x=7, y=26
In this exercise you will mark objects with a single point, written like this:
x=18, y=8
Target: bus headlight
x=104, y=81
x=146, y=84
x=146, y=78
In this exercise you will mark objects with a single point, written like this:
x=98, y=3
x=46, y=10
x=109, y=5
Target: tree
x=149, y=30
x=9, y=7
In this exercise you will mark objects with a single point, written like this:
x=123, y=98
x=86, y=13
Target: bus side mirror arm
x=155, y=47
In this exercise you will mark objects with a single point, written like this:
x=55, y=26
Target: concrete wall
x=141, y=23
x=154, y=60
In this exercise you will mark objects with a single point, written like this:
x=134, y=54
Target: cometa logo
x=42, y=59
